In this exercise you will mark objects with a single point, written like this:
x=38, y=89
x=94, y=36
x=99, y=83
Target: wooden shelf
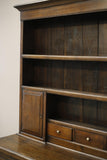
x=71, y=58
x=70, y=93
x=79, y=125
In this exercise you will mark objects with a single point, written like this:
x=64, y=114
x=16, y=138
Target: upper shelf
x=70, y=93
x=56, y=8
x=71, y=58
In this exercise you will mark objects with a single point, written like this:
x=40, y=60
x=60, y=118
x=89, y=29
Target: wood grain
x=32, y=113
x=72, y=93
x=95, y=140
x=66, y=9
x=31, y=149
x=66, y=58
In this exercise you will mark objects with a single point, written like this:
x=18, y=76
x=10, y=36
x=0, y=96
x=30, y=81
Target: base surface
x=17, y=147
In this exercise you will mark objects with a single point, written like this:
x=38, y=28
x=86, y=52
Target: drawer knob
x=87, y=139
x=58, y=131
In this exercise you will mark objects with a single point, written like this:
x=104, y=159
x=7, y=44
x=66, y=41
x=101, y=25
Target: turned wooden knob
x=87, y=139
x=58, y=131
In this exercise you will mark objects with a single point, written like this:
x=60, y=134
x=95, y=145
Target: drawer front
x=59, y=131
x=90, y=139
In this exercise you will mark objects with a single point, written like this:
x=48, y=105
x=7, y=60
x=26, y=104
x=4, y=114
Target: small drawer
x=59, y=131
x=90, y=139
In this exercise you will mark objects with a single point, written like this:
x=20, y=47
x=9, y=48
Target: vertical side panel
x=44, y=116
x=21, y=75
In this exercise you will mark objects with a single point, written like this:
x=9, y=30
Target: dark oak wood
x=80, y=126
x=64, y=75
x=78, y=35
x=70, y=93
x=90, y=36
x=48, y=3
x=103, y=37
x=59, y=131
x=90, y=139
x=21, y=74
x=63, y=84
x=6, y=154
x=79, y=147
x=32, y=113
x=22, y=148
x=44, y=117
x=65, y=9
x=68, y=58
x=96, y=137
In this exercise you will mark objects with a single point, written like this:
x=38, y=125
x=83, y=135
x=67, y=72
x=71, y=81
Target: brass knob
x=41, y=116
x=87, y=139
x=58, y=131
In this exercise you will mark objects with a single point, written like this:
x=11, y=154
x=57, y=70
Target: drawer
x=90, y=139
x=59, y=131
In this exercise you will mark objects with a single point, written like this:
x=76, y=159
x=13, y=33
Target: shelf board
x=71, y=58
x=79, y=125
x=70, y=93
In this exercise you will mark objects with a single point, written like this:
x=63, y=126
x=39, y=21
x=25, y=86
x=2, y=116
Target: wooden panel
x=67, y=108
x=39, y=39
x=90, y=36
x=102, y=79
x=57, y=29
x=102, y=114
x=44, y=117
x=90, y=139
x=72, y=93
x=28, y=69
x=43, y=4
x=79, y=147
x=21, y=73
x=28, y=37
x=40, y=73
x=80, y=125
x=32, y=112
x=56, y=74
x=67, y=9
x=25, y=147
x=68, y=58
x=103, y=37
x=42, y=36
x=59, y=131
x=90, y=76
x=73, y=76
x=7, y=154
x=90, y=111
x=64, y=108
x=43, y=73
x=73, y=36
